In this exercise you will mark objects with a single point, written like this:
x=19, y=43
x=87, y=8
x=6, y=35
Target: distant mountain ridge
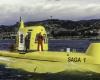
x=62, y=28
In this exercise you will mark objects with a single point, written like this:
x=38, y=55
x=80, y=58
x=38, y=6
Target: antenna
x=51, y=17
x=20, y=18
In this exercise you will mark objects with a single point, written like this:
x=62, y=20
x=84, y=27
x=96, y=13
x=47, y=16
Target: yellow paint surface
x=94, y=51
x=49, y=62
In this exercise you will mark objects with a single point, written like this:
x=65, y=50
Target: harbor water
x=55, y=45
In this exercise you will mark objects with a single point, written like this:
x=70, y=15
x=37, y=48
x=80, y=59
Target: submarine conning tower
x=94, y=51
x=33, y=31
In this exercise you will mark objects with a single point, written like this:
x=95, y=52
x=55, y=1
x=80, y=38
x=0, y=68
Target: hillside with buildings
x=59, y=29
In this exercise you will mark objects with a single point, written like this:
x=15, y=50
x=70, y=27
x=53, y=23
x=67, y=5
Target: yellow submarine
x=49, y=61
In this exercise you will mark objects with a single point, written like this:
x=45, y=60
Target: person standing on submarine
x=40, y=40
x=27, y=42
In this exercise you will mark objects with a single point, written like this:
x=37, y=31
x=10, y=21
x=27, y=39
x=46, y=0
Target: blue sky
x=32, y=10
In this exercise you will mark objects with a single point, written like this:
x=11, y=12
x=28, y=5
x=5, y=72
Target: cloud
x=11, y=10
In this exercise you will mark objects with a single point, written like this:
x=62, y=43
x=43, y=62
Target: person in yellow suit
x=40, y=40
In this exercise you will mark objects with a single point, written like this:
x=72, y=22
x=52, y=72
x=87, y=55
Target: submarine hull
x=49, y=62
